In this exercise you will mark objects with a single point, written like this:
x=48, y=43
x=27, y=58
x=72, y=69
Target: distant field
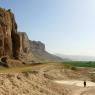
x=81, y=63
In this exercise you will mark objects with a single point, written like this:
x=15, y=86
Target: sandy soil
x=75, y=83
x=88, y=90
x=47, y=79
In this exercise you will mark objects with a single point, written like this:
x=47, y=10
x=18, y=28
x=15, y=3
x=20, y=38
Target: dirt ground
x=46, y=79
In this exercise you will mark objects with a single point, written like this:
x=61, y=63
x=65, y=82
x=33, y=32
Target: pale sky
x=65, y=26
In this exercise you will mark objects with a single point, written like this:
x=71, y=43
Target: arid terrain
x=26, y=67
x=46, y=79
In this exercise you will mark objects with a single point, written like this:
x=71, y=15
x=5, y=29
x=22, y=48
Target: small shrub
x=73, y=68
x=68, y=66
x=9, y=10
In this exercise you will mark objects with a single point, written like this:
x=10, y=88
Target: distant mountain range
x=76, y=57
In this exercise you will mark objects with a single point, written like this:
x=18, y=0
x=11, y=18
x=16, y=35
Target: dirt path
x=85, y=91
x=76, y=83
x=80, y=90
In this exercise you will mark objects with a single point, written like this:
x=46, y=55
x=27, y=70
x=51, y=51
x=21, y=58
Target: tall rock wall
x=39, y=54
x=9, y=39
x=24, y=49
x=16, y=44
x=7, y=27
x=24, y=43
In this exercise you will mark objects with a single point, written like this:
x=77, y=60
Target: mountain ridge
x=77, y=57
x=17, y=45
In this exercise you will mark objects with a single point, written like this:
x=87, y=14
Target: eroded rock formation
x=37, y=46
x=40, y=54
x=16, y=44
x=8, y=33
x=6, y=30
x=24, y=43
x=10, y=39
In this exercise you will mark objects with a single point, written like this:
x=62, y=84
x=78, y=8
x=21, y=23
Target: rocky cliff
x=17, y=45
x=8, y=28
x=9, y=38
x=40, y=54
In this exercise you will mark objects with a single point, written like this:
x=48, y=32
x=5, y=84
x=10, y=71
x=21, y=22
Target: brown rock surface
x=40, y=54
x=24, y=53
x=5, y=33
x=8, y=29
x=16, y=45
x=24, y=43
x=11, y=42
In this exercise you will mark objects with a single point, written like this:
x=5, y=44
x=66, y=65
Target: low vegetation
x=80, y=63
x=69, y=66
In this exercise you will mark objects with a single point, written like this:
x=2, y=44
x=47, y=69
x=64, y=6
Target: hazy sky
x=65, y=26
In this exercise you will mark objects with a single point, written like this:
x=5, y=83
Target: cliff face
x=12, y=43
x=40, y=54
x=25, y=53
x=16, y=44
x=37, y=46
x=8, y=34
x=6, y=29
x=24, y=43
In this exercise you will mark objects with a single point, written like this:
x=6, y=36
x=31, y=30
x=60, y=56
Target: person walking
x=84, y=83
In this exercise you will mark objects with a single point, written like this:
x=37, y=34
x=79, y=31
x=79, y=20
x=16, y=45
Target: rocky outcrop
x=24, y=43
x=17, y=44
x=37, y=46
x=39, y=54
x=12, y=43
x=8, y=33
x=6, y=30
x=24, y=53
